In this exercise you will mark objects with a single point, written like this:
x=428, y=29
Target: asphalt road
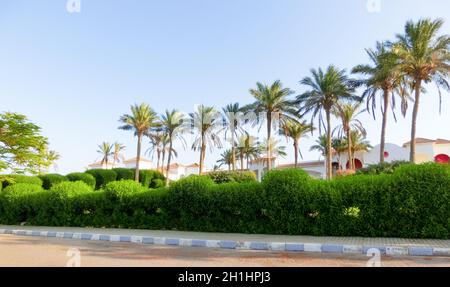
x=58, y=252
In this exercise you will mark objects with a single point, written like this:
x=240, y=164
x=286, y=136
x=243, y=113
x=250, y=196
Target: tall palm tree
x=326, y=90
x=206, y=121
x=232, y=114
x=272, y=100
x=424, y=57
x=106, y=151
x=173, y=125
x=348, y=112
x=226, y=158
x=296, y=131
x=117, y=153
x=383, y=78
x=141, y=120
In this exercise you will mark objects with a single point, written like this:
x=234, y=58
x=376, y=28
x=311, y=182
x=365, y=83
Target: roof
x=425, y=141
x=176, y=165
x=132, y=160
x=302, y=164
x=262, y=158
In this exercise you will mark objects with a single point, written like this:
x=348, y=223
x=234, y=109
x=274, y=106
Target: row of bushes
x=413, y=202
x=95, y=178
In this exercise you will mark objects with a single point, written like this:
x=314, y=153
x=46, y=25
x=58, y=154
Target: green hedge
x=232, y=176
x=413, y=202
x=124, y=173
x=48, y=180
x=387, y=167
x=87, y=178
x=102, y=176
x=18, y=178
x=150, y=178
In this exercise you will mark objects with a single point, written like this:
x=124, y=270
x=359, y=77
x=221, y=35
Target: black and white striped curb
x=242, y=245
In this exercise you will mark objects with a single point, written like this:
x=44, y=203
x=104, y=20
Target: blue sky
x=74, y=74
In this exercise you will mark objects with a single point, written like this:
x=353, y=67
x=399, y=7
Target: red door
x=442, y=158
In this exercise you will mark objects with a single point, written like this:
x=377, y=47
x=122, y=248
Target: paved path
x=399, y=242
x=43, y=251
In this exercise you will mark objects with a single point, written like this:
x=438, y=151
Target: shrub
x=102, y=176
x=18, y=178
x=158, y=183
x=387, y=167
x=412, y=202
x=124, y=173
x=232, y=176
x=84, y=177
x=48, y=180
x=18, y=202
x=147, y=177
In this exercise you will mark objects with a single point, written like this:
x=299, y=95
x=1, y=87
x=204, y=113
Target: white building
x=178, y=171
x=427, y=150
x=129, y=163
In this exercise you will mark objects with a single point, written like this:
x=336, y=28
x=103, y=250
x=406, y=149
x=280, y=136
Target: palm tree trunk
x=328, y=161
x=349, y=149
x=296, y=152
x=169, y=158
x=138, y=157
x=233, y=151
x=242, y=161
x=269, y=148
x=384, y=124
x=158, y=158
x=248, y=160
x=412, y=155
x=202, y=151
x=163, y=158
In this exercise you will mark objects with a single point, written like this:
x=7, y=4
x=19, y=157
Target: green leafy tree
x=22, y=148
x=424, y=57
x=141, y=120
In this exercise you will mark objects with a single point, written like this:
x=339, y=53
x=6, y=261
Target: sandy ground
x=38, y=251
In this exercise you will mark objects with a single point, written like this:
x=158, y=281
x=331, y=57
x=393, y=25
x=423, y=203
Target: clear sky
x=74, y=74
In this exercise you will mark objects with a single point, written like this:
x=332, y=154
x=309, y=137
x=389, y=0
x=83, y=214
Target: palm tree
x=226, y=158
x=233, y=120
x=326, y=90
x=321, y=145
x=117, y=153
x=106, y=151
x=156, y=139
x=348, y=112
x=358, y=142
x=141, y=120
x=173, y=125
x=273, y=145
x=424, y=57
x=206, y=121
x=384, y=79
x=273, y=101
x=296, y=131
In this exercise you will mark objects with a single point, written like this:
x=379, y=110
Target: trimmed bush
x=232, y=176
x=102, y=176
x=84, y=177
x=147, y=177
x=48, y=180
x=124, y=173
x=19, y=178
x=20, y=202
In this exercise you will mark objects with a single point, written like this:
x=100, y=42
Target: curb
x=243, y=245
